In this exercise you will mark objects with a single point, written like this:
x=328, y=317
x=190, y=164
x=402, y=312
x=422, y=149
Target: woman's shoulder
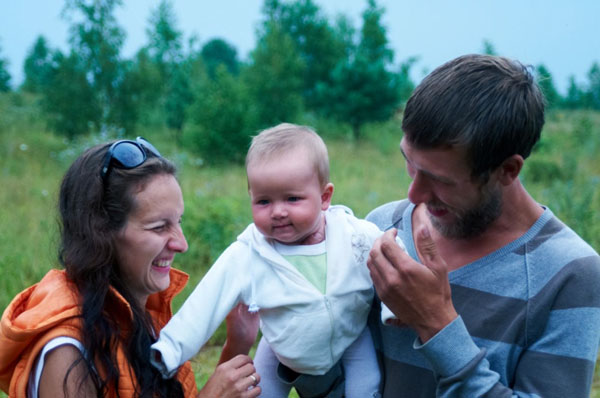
x=65, y=350
x=35, y=316
x=61, y=359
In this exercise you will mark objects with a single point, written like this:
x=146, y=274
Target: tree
x=148, y=83
x=218, y=52
x=405, y=83
x=38, y=67
x=96, y=40
x=575, y=95
x=178, y=98
x=4, y=75
x=166, y=51
x=345, y=34
x=546, y=83
x=373, y=45
x=314, y=38
x=363, y=89
x=488, y=48
x=69, y=99
x=164, y=39
x=593, y=92
x=126, y=104
x=274, y=78
x=222, y=118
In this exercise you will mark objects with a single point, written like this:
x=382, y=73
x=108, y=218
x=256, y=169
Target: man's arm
x=460, y=367
x=557, y=360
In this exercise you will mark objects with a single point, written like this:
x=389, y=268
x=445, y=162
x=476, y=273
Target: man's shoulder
x=560, y=240
x=557, y=253
x=388, y=215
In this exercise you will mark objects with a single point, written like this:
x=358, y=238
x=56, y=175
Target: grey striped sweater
x=528, y=325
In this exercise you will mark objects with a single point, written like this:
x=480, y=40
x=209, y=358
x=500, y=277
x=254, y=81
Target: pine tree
x=222, y=118
x=488, y=48
x=166, y=51
x=164, y=46
x=96, y=40
x=38, y=67
x=575, y=95
x=314, y=39
x=274, y=78
x=69, y=100
x=593, y=92
x=363, y=87
x=4, y=75
x=546, y=83
x=218, y=52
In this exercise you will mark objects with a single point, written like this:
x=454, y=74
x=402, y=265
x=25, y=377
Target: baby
x=302, y=266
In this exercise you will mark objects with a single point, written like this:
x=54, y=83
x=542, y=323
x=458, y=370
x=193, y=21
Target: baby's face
x=287, y=197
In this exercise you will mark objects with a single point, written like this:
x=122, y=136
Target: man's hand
x=418, y=294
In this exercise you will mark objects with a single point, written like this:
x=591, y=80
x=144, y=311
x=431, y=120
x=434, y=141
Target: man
x=507, y=302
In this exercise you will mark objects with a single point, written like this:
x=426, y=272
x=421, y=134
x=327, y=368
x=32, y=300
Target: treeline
x=303, y=66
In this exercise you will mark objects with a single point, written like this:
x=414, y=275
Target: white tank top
x=33, y=383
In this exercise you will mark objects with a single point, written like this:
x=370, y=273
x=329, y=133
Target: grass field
x=563, y=173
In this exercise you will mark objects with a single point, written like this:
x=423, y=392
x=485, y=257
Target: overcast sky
x=564, y=35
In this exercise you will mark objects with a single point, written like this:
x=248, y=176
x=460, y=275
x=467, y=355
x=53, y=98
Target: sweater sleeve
x=558, y=362
x=202, y=312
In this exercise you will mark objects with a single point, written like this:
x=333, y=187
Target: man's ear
x=509, y=170
x=326, y=194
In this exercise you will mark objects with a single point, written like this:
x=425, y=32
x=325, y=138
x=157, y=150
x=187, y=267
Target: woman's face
x=152, y=235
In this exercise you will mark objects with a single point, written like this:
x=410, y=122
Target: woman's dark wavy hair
x=92, y=213
x=489, y=105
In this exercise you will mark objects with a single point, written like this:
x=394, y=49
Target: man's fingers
x=396, y=257
x=425, y=245
x=378, y=263
x=427, y=250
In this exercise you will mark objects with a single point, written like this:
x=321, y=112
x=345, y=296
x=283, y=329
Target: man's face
x=458, y=206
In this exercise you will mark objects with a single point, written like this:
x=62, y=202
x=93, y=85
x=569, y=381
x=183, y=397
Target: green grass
x=563, y=173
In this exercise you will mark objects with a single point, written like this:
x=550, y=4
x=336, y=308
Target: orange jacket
x=50, y=309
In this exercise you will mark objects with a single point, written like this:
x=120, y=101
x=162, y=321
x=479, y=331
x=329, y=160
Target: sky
x=561, y=34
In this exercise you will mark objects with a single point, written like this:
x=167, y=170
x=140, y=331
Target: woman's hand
x=236, y=378
x=242, y=328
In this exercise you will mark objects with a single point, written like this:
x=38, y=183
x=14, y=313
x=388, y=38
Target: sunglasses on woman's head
x=127, y=154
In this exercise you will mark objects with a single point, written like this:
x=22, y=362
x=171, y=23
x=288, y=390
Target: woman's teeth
x=162, y=263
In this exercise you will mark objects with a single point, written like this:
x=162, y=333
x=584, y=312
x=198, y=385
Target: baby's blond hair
x=285, y=137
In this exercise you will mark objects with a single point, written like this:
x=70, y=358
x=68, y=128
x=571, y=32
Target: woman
x=87, y=330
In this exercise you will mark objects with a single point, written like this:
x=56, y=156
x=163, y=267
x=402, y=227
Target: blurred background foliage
x=304, y=66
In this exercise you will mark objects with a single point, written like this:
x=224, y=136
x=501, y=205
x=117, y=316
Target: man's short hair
x=489, y=105
x=279, y=140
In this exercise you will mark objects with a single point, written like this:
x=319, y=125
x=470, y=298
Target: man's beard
x=474, y=221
